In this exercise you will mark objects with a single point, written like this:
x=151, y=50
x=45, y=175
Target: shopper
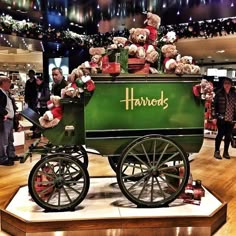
x=224, y=113
x=7, y=113
x=31, y=91
x=59, y=81
x=43, y=95
x=31, y=94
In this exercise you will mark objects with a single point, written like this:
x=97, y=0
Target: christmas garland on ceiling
x=67, y=38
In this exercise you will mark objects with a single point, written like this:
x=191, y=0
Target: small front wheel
x=58, y=182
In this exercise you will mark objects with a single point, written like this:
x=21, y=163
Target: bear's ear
x=149, y=14
x=132, y=30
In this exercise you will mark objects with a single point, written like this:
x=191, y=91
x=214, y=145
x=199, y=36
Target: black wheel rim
x=152, y=171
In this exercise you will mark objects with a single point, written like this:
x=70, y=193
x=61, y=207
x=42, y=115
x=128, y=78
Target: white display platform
x=105, y=201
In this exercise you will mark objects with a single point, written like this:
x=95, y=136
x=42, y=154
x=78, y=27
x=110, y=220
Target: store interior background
x=19, y=54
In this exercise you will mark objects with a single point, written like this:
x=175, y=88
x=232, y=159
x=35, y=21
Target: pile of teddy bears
x=143, y=43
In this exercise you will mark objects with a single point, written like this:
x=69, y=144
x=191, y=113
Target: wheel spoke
x=138, y=182
x=133, y=176
x=144, y=150
x=133, y=169
x=73, y=189
x=144, y=186
x=171, y=167
x=135, y=156
x=159, y=186
x=169, y=158
x=136, y=167
x=152, y=183
x=67, y=195
x=162, y=154
x=154, y=151
x=50, y=196
x=170, y=185
x=172, y=175
x=59, y=197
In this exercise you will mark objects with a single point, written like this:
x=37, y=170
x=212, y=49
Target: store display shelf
x=106, y=210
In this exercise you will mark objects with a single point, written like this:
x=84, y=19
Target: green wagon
x=145, y=125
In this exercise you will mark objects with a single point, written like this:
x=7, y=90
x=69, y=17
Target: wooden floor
x=218, y=175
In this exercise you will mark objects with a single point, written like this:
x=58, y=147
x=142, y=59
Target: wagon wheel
x=77, y=151
x=58, y=182
x=152, y=171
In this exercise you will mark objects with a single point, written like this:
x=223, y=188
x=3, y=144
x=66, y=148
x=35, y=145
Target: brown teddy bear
x=52, y=117
x=169, y=52
x=151, y=54
x=138, y=38
x=139, y=47
x=152, y=22
x=96, y=58
x=118, y=42
x=185, y=66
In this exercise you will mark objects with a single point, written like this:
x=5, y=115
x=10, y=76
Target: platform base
x=105, y=211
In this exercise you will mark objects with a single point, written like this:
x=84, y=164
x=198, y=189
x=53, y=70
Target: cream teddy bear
x=52, y=117
x=96, y=59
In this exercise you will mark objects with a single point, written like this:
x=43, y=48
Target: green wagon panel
x=131, y=106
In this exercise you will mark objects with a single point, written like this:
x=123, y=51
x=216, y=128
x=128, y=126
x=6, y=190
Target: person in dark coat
x=59, y=81
x=31, y=90
x=7, y=115
x=43, y=95
x=224, y=114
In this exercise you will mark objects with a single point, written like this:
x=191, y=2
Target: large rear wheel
x=152, y=171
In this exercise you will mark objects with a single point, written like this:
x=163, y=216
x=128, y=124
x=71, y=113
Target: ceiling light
x=209, y=57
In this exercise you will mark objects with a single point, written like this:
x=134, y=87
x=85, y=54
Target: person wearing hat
x=224, y=114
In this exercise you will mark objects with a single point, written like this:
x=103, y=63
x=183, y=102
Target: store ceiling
x=93, y=16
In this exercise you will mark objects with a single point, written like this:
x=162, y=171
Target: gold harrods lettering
x=131, y=102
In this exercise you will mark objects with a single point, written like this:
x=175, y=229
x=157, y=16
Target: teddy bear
x=151, y=54
x=52, y=117
x=72, y=90
x=96, y=58
x=139, y=47
x=169, y=53
x=138, y=38
x=169, y=38
x=118, y=42
x=205, y=90
x=152, y=22
x=84, y=80
x=195, y=70
x=185, y=66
